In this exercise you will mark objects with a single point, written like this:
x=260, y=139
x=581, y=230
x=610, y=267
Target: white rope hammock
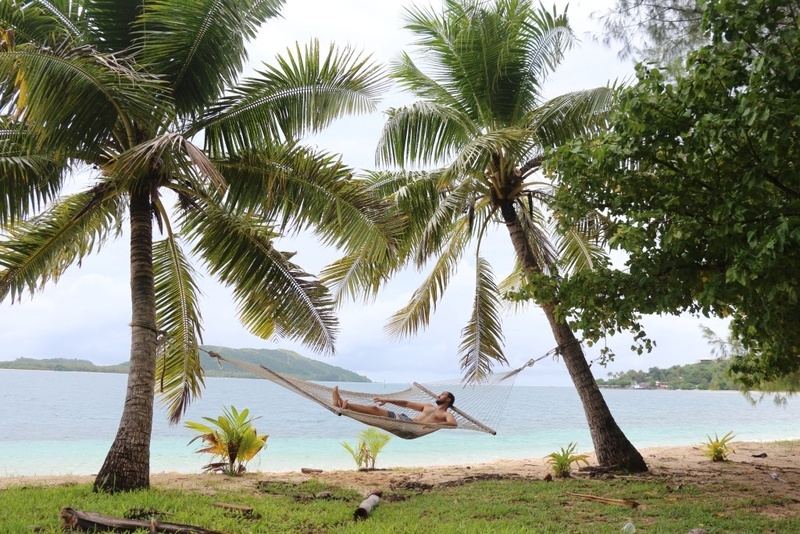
x=478, y=406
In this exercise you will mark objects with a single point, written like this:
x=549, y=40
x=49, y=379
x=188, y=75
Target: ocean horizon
x=63, y=423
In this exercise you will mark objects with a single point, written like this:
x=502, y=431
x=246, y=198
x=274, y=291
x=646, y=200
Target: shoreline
x=686, y=463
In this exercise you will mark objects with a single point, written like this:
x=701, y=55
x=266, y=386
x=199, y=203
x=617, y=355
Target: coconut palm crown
x=143, y=101
x=481, y=128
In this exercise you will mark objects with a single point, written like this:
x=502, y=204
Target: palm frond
x=415, y=316
x=112, y=23
x=443, y=223
x=76, y=101
x=422, y=133
x=304, y=190
x=583, y=244
x=179, y=377
x=304, y=92
x=570, y=115
x=482, y=339
x=199, y=47
x=39, y=250
x=30, y=177
x=546, y=36
x=274, y=296
x=533, y=220
x=34, y=22
x=409, y=76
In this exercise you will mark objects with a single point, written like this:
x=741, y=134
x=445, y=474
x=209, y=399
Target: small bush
x=561, y=462
x=234, y=440
x=370, y=443
x=718, y=449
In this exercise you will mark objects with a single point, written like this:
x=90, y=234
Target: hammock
x=485, y=400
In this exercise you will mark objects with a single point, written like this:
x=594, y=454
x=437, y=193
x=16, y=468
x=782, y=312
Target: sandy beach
x=755, y=468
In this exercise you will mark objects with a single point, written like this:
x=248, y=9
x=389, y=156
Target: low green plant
x=718, y=448
x=231, y=437
x=561, y=462
x=370, y=442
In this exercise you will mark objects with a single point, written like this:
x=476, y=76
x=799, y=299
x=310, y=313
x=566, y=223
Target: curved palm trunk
x=127, y=465
x=612, y=448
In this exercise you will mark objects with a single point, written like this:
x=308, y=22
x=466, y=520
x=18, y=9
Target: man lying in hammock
x=429, y=413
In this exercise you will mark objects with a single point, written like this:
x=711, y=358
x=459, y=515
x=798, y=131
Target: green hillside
x=280, y=360
x=283, y=361
x=709, y=374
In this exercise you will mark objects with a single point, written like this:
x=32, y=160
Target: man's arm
x=449, y=420
x=418, y=406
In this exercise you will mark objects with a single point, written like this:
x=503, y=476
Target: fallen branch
x=623, y=502
x=90, y=521
x=363, y=510
x=245, y=510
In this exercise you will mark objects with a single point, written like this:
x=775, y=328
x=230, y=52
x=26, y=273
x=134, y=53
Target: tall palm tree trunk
x=127, y=465
x=612, y=447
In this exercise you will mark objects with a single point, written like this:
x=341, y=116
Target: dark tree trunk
x=127, y=465
x=612, y=448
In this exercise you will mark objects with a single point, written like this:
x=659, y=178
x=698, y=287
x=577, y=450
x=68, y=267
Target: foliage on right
x=699, y=179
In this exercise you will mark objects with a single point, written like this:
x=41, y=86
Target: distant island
x=707, y=374
x=280, y=360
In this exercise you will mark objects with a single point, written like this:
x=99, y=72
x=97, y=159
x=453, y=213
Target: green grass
x=497, y=506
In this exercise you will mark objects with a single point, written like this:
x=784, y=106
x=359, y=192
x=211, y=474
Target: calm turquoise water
x=63, y=423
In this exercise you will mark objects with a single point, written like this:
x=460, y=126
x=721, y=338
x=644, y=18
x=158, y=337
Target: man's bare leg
x=339, y=402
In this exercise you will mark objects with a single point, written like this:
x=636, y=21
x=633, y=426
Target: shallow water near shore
x=63, y=423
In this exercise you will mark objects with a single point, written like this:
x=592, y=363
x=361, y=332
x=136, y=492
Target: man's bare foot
x=337, y=399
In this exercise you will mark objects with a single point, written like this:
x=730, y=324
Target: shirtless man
x=429, y=413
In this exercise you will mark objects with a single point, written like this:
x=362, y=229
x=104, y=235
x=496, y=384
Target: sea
x=63, y=423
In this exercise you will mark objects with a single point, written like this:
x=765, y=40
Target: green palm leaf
x=417, y=313
x=482, y=339
x=39, y=23
x=30, y=177
x=571, y=114
x=424, y=132
x=275, y=296
x=77, y=100
x=39, y=250
x=304, y=92
x=199, y=46
x=179, y=376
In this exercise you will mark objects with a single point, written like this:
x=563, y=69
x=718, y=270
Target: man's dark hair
x=452, y=398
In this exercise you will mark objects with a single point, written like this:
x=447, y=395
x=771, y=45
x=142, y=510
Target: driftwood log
x=366, y=506
x=90, y=521
x=309, y=470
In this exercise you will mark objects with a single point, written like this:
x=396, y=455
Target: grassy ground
x=479, y=505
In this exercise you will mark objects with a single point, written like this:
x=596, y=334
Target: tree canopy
x=658, y=31
x=206, y=168
x=698, y=176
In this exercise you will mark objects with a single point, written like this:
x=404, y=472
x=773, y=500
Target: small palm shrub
x=561, y=462
x=230, y=437
x=370, y=443
x=717, y=448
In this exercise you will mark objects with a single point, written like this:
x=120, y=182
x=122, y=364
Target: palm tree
x=481, y=123
x=122, y=92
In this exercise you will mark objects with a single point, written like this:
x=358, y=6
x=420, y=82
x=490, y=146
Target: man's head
x=446, y=398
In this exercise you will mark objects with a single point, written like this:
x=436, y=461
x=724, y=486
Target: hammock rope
x=478, y=406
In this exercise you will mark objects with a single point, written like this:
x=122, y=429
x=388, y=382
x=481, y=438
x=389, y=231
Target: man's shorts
x=399, y=416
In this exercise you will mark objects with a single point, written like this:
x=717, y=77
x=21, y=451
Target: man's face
x=442, y=399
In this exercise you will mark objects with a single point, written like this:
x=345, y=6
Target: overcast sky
x=86, y=315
